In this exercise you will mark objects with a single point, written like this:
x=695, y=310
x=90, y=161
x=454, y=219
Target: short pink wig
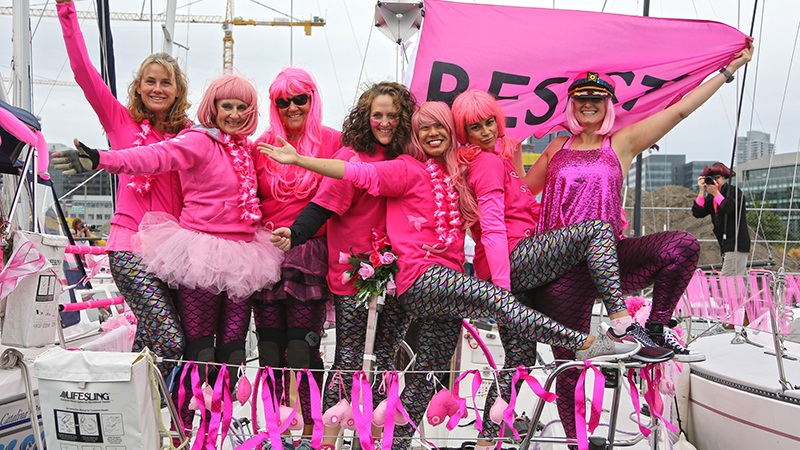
x=229, y=86
x=475, y=105
x=571, y=123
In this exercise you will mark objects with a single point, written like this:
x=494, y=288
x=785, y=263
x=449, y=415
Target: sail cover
x=527, y=58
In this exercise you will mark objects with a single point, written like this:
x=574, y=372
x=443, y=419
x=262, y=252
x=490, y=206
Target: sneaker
x=650, y=352
x=682, y=354
x=607, y=348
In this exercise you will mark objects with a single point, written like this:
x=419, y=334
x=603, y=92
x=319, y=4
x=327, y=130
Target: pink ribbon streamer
x=536, y=387
x=361, y=402
x=580, y=405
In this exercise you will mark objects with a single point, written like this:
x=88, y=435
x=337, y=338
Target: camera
x=708, y=179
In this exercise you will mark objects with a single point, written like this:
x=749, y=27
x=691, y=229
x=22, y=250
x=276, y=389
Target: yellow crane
x=227, y=23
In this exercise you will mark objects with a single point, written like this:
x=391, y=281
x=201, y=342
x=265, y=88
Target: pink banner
x=527, y=58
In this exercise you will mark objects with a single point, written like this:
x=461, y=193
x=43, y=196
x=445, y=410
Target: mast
x=21, y=71
x=637, y=202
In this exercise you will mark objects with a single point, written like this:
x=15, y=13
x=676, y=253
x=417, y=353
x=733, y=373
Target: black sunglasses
x=298, y=100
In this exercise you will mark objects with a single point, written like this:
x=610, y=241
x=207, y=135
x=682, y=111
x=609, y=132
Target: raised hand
x=283, y=154
x=72, y=162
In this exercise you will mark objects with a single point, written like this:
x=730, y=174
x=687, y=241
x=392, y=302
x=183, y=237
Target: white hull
x=735, y=397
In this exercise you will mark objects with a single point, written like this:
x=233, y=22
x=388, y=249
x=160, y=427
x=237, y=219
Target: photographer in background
x=723, y=202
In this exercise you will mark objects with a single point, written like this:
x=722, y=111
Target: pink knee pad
x=442, y=406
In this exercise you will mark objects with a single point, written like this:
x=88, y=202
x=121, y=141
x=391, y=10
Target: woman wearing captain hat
x=581, y=178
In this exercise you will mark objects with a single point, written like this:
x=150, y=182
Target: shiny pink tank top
x=582, y=185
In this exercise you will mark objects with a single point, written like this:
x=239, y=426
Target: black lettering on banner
x=438, y=70
x=496, y=85
x=655, y=84
x=549, y=97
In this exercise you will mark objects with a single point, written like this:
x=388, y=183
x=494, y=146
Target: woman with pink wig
x=208, y=253
x=289, y=317
x=509, y=252
x=428, y=208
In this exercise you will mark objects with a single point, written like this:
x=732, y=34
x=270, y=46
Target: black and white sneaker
x=650, y=352
x=682, y=354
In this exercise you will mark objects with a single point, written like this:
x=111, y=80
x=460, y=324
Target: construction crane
x=227, y=23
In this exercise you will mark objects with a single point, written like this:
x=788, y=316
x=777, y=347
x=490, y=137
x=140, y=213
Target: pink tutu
x=182, y=257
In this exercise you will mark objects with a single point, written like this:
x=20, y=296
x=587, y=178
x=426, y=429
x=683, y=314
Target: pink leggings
x=665, y=260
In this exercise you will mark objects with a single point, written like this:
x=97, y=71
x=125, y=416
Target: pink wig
x=435, y=112
x=290, y=82
x=229, y=86
x=571, y=123
x=473, y=106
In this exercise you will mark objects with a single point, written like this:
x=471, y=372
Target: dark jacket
x=724, y=219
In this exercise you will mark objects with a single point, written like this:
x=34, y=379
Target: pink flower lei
x=142, y=183
x=246, y=175
x=448, y=222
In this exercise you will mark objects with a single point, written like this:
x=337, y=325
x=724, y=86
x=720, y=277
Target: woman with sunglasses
x=376, y=129
x=290, y=315
x=156, y=111
x=582, y=178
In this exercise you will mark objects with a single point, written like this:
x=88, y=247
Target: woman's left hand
x=285, y=154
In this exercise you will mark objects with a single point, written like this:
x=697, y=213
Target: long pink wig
x=230, y=86
x=290, y=82
x=571, y=123
x=473, y=106
x=435, y=112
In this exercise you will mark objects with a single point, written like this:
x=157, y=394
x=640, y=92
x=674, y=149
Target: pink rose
x=366, y=271
x=390, y=288
x=344, y=258
x=388, y=258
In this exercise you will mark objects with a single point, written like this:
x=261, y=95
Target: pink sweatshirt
x=164, y=194
x=356, y=214
x=209, y=182
x=508, y=213
x=281, y=212
x=410, y=222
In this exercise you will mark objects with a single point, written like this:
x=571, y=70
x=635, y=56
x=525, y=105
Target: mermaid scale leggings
x=287, y=318
x=545, y=257
x=158, y=328
x=351, y=326
x=211, y=320
x=445, y=295
x=666, y=260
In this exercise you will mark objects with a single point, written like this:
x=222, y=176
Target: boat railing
x=762, y=300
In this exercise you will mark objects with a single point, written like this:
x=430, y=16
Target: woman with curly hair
x=376, y=129
x=289, y=317
x=156, y=111
x=428, y=209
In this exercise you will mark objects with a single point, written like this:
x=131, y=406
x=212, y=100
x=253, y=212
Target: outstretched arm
x=636, y=138
x=286, y=154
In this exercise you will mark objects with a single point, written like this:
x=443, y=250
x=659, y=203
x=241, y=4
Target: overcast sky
x=335, y=55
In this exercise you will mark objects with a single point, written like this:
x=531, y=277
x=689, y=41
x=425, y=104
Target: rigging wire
x=363, y=62
x=736, y=128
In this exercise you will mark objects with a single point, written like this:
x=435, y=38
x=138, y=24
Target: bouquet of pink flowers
x=372, y=273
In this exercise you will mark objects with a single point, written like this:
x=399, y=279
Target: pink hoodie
x=209, y=182
x=165, y=193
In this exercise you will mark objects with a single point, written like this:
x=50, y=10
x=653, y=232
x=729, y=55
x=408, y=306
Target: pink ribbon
x=361, y=402
x=84, y=250
x=580, y=405
x=272, y=416
x=200, y=400
x=651, y=374
x=316, y=409
x=533, y=383
x=221, y=409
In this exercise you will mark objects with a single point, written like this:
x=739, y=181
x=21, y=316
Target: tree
x=771, y=226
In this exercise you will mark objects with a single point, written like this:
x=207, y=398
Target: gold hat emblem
x=592, y=76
